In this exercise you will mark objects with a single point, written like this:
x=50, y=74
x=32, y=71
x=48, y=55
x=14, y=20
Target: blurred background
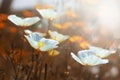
x=95, y=22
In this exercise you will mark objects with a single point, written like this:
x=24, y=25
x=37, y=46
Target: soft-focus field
x=83, y=21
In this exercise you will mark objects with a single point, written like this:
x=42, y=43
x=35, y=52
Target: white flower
x=38, y=42
x=57, y=36
x=48, y=13
x=23, y=21
x=86, y=57
x=100, y=52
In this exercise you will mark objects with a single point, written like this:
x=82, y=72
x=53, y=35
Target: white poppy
x=23, y=21
x=86, y=57
x=38, y=42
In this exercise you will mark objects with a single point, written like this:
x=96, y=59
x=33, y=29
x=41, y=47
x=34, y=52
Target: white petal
x=48, y=44
x=27, y=31
x=32, y=42
x=102, y=53
x=76, y=58
x=48, y=13
x=23, y=21
x=35, y=36
x=57, y=36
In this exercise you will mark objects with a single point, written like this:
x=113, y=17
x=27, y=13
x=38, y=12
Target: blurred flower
x=79, y=40
x=48, y=13
x=53, y=53
x=86, y=57
x=71, y=14
x=57, y=36
x=75, y=38
x=100, y=52
x=38, y=42
x=83, y=45
x=23, y=21
x=62, y=26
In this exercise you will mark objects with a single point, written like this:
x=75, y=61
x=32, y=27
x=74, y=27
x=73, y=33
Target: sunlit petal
x=102, y=53
x=48, y=13
x=23, y=21
x=48, y=44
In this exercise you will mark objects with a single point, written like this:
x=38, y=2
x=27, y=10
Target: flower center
x=40, y=44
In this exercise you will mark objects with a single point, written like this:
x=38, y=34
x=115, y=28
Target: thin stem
x=28, y=76
x=40, y=64
x=49, y=24
x=20, y=58
x=67, y=58
x=36, y=66
x=40, y=71
x=45, y=75
x=10, y=58
x=66, y=72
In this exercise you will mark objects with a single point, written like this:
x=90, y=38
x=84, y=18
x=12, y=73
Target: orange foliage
x=2, y=25
x=21, y=54
x=27, y=13
x=46, y=6
x=3, y=17
x=71, y=14
x=12, y=29
x=62, y=26
x=83, y=44
x=78, y=39
x=79, y=24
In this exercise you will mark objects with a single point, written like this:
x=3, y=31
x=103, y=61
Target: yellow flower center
x=40, y=44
